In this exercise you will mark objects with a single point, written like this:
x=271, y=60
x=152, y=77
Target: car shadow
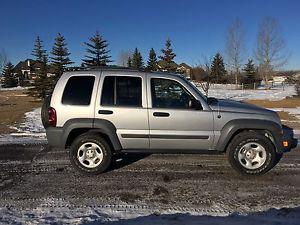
x=125, y=159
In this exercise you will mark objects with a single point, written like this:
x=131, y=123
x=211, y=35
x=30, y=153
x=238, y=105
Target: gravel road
x=36, y=175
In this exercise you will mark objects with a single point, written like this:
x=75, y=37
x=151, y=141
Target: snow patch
x=14, y=88
x=29, y=131
x=89, y=215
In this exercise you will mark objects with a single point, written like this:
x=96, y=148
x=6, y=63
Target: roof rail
x=85, y=68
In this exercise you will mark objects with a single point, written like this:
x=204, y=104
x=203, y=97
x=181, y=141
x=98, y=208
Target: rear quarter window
x=78, y=90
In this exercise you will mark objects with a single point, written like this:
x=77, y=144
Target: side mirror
x=195, y=104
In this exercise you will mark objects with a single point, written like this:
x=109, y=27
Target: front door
x=174, y=123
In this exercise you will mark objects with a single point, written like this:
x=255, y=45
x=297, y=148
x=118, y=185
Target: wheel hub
x=90, y=155
x=252, y=155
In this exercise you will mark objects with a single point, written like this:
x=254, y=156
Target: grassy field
x=13, y=105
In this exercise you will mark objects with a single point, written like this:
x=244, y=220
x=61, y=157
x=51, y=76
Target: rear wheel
x=252, y=153
x=90, y=154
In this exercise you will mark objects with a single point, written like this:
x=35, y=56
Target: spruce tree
x=152, y=61
x=9, y=76
x=97, y=51
x=250, y=72
x=60, y=56
x=137, y=60
x=42, y=85
x=129, y=62
x=218, y=71
x=167, y=57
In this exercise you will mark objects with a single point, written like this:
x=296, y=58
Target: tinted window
x=169, y=94
x=78, y=90
x=122, y=91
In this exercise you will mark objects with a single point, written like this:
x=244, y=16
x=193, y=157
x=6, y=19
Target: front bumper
x=288, y=141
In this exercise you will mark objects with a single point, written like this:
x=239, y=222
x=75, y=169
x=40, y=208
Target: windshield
x=193, y=86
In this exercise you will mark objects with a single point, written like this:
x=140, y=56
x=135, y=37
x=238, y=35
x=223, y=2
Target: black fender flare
x=233, y=126
x=95, y=125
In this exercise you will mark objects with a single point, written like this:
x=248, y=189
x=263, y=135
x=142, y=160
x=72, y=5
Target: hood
x=237, y=106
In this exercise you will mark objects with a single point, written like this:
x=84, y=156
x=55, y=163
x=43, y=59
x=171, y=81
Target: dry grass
x=13, y=105
x=285, y=103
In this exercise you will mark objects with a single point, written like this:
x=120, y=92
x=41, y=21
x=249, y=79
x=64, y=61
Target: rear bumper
x=288, y=138
x=55, y=136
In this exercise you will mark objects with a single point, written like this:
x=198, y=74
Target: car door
x=174, y=124
x=122, y=102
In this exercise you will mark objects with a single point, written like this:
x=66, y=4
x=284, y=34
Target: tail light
x=52, y=119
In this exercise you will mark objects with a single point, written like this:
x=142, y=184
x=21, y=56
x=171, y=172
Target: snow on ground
x=29, y=131
x=89, y=215
x=228, y=92
x=14, y=88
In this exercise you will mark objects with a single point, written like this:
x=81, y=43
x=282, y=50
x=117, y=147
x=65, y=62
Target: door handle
x=161, y=114
x=106, y=112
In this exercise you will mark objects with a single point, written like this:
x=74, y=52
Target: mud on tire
x=90, y=154
x=252, y=153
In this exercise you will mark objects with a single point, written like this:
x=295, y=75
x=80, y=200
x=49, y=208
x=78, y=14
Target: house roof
x=185, y=65
x=23, y=65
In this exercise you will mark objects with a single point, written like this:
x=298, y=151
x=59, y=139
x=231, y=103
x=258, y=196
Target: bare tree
x=3, y=60
x=235, y=47
x=123, y=57
x=201, y=73
x=270, y=51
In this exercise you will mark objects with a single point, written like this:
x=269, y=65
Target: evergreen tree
x=167, y=57
x=9, y=76
x=97, y=51
x=129, y=62
x=218, y=71
x=60, y=56
x=152, y=61
x=42, y=85
x=38, y=51
x=250, y=72
x=137, y=59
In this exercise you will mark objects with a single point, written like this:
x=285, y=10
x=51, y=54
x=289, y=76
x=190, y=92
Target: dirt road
x=35, y=175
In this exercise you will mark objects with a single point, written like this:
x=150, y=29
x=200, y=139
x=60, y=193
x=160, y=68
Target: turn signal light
x=285, y=143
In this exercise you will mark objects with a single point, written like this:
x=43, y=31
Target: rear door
x=122, y=101
x=174, y=124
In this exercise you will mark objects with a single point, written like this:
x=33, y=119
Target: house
x=27, y=69
x=183, y=68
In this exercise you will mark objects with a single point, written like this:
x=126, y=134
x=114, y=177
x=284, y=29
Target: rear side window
x=78, y=90
x=122, y=91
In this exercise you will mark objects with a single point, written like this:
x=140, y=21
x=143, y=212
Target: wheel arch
x=234, y=127
x=75, y=127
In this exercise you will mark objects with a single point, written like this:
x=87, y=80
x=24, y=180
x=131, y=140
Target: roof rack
x=88, y=68
x=116, y=68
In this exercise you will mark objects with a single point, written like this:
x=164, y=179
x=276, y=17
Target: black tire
x=104, y=147
x=44, y=112
x=237, y=144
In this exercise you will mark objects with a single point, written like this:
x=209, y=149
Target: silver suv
x=98, y=113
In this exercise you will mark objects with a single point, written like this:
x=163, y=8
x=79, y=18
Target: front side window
x=122, y=91
x=169, y=94
x=78, y=90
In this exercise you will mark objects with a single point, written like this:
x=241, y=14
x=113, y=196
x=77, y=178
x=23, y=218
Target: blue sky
x=196, y=28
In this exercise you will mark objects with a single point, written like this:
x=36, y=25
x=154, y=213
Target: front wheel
x=252, y=153
x=90, y=154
